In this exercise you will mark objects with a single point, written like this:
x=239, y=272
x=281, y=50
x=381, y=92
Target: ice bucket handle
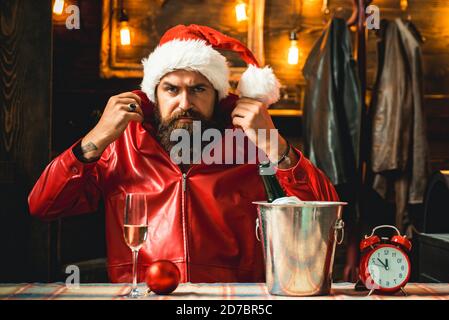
x=257, y=229
x=339, y=226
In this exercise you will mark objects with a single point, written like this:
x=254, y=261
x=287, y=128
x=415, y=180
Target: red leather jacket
x=203, y=220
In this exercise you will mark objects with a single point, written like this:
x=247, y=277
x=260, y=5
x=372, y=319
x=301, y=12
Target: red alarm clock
x=385, y=266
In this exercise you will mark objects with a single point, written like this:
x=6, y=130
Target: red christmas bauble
x=162, y=277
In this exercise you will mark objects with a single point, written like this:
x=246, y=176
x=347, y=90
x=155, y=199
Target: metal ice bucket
x=299, y=243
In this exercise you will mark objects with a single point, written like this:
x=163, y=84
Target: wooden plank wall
x=25, y=106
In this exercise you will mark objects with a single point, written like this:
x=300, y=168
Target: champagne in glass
x=135, y=231
x=135, y=235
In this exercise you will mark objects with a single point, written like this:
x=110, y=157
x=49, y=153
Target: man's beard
x=164, y=128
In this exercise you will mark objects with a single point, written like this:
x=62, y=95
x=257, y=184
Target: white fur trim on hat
x=194, y=55
x=260, y=84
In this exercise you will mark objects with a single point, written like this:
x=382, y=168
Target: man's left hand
x=252, y=115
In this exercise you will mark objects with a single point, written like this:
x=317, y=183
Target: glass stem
x=135, y=254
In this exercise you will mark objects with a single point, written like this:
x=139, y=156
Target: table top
x=208, y=291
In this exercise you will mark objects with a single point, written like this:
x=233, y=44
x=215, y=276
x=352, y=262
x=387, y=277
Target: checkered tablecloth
x=198, y=291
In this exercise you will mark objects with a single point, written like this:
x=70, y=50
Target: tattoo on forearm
x=90, y=146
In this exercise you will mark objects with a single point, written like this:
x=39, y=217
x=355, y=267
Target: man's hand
x=252, y=115
x=113, y=122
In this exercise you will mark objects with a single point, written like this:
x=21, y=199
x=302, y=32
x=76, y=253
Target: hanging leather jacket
x=399, y=151
x=333, y=105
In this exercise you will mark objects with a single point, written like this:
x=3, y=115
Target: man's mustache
x=186, y=114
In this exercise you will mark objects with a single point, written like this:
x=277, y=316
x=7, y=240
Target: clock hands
x=385, y=265
x=381, y=262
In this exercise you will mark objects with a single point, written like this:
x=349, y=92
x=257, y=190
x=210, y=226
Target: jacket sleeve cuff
x=75, y=165
x=295, y=174
x=78, y=153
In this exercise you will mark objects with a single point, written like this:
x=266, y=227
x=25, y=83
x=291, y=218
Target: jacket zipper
x=184, y=183
x=184, y=225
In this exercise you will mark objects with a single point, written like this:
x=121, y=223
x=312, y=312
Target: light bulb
x=404, y=5
x=58, y=6
x=125, y=34
x=293, y=52
x=240, y=12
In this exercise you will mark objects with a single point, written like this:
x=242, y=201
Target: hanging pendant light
x=125, y=34
x=293, y=51
x=58, y=7
x=404, y=5
x=240, y=11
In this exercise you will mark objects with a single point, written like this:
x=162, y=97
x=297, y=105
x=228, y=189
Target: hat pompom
x=260, y=84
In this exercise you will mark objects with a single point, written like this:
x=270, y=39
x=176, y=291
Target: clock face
x=388, y=266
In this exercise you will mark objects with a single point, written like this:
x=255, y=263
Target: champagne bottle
x=272, y=187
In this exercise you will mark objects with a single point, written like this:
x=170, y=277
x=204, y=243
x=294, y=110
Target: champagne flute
x=135, y=231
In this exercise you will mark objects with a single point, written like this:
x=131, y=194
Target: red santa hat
x=193, y=48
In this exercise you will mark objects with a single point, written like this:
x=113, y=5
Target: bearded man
x=201, y=216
